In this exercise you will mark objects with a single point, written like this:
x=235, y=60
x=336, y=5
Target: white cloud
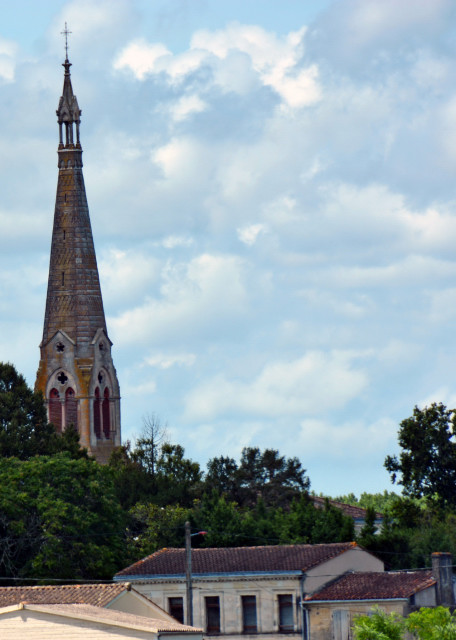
x=171, y=242
x=275, y=60
x=8, y=53
x=186, y=106
x=310, y=384
x=249, y=235
x=195, y=297
x=353, y=440
x=140, y=57
x=166, y=361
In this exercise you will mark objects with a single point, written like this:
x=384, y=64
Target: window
x=249, y=614
x=55, y=410
x=212, y=614
x=71, y=408
x=286, y=622
x=176, y=609
x=106, y=410
x=96, y=414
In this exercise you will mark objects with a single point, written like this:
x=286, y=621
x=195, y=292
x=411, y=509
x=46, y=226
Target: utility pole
x=188, y=574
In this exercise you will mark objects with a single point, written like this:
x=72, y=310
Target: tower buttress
x=76, y=373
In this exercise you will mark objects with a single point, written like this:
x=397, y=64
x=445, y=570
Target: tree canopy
x=59, y=518
x=24, y=429
x=261, y=474
x=426, y=466
x=437, y=623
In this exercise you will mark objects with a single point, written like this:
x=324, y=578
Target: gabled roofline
x=149, y=577
x=97, y=335
x=137, y=594
x=72, y=611
x=306, y=603
x=64, y=334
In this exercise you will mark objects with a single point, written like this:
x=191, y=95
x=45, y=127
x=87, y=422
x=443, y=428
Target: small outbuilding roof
x=98, y=595
x=369, y=585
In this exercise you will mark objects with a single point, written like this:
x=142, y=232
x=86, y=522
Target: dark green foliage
x=380, y=502
x=178, y=479
x=305, y=523
x=24, y=429
x=153, y=527
x=367, y=533
x=426, y=465
x=436, y=623
x=221, y=476
x=379, y=625
x=59, y=518
x=260, y=474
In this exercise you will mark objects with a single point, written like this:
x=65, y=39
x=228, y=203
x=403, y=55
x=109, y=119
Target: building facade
x=76, y=373
x=246, y=591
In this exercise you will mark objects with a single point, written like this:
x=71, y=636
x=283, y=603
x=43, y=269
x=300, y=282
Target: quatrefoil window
x=62, y=378
x=60, y=347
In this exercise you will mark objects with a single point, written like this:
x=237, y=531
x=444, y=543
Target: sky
x=272, y=194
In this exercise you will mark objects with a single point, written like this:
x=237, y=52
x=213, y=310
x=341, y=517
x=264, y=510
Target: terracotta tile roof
x=357, y=513
x=375, y=586
x=98, y=595
x=112, y=617
x=299, y=557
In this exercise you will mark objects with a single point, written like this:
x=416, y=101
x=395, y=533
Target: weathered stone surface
x=76, y=372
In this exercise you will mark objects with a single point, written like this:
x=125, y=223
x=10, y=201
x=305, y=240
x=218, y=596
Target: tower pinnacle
x=76, y=373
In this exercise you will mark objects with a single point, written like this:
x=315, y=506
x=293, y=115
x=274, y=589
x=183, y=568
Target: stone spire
x=76, y=373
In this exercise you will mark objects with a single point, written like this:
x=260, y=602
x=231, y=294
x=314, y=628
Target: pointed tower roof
x=76, y=374
x=68, y=110
x=74, y=303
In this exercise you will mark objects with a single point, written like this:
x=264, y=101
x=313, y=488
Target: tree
x=379, y=626
x=148, y=445
x=432, y=624
x=264, y=475
x=24, y=429
x=426, y=624
x=179, y=479
x=221, y=476
x=153, y=527
x=427, y=463
x=305, y=523
x=59, y=518
x=273, y=477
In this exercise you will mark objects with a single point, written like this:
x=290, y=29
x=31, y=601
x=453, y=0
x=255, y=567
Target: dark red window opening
x=97, y=413
x=55, y=410
x=71, y=408
x=106, y=414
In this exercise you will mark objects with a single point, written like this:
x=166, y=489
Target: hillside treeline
x=64, y=516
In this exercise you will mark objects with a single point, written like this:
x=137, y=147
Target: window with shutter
x=286, y=621
x=249, y=614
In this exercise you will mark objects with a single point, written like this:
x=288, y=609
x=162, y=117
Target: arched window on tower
x=71, y=408
x=106, y=414
x=55, y=410
x=97, y=413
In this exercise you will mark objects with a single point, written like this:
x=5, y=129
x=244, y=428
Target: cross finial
x=66, y=33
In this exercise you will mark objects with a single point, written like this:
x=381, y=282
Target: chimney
x=442, y=570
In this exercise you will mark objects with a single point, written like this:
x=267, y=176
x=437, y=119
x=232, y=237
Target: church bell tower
x=76, y=373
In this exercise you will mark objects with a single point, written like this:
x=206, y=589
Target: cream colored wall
x=230, y=592
x=320, y=616
x=32, y=625
x=130, y=602
x=352, y=560
x=266, y=590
